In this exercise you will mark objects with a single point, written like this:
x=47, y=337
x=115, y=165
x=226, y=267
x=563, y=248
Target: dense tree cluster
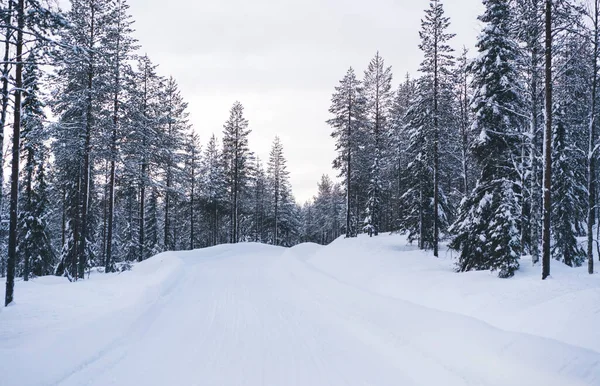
x=118, y=174
x=494, y=153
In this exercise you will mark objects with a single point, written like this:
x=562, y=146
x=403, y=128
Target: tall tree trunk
x=142, y=216
x=592, y=143
x=14, y=179
x=547, y=147
x=234, y=214
x=5, y=99
x=534, y=211
x=276, y=241
x=113, y=167
x=192, y=225
x=5, y=96
x=85, y=188
x=349, y=145
x=168, y=243
x=105, y=209
x=142, y=239
x=436, y=157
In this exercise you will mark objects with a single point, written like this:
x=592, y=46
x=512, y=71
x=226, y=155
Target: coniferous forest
x=491, y=151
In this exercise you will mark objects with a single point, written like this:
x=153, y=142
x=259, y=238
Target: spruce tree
x=487, y=229
x=378, y=96
x=34, y=248
x=238, y=158
x=437, y=64
x=398, y=156
x=278, y=179
x=120, y=51
x=192, y=172
x=142, y=153
x=261, y=199
x=213, y=184
x=347, y=107
x=177, y=125
x=428, y=118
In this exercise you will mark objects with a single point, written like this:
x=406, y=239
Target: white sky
x=282, y=60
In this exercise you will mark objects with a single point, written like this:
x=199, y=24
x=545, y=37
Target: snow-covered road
x=258, y=315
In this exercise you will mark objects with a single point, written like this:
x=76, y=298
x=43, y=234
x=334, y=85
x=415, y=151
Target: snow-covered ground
x=356, y=312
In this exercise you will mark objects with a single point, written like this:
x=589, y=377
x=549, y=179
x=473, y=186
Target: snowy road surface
x=257, y=315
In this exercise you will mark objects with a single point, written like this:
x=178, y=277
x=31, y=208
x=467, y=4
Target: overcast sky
x=281, y=59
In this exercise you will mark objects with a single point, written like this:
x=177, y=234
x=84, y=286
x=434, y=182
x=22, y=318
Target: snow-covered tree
x=238, y=160
x=120, y=47
x=347, y=108
x=278, y=179
x=487, y=229
x=378, y=97
x=34, y=247
x=430, y=116
x=176, y=127
x=214, y=185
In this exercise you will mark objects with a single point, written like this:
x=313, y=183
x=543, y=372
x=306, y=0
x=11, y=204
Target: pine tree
x=35, y=24
x=176, y=127
x=14, y=180
x=237, y=157
x=79, y=101
x=7, y=26
x=529, y=13
x=121, y=46
x=569, y=204
x=463, y=93
x=417, y=210
x=593, y=134
x=323, y=205
x=378, y=96
x=437, y=64
x=34, y=248
x=347, y=106
x=547, y=192
x=278, y=179
x=429, y=117
x=399, y=138
x=192, y=173
x=142, y=152
x=261, y=200
x=569, y=192
x=214, y=188
x=488, y=225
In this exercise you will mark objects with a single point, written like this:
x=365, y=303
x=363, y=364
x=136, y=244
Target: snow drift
x=357, y=312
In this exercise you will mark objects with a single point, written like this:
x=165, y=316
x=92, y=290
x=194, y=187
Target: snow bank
x=365, y=311
x=566, y=307
x=76, y=322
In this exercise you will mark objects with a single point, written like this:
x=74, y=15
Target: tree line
x=495, y=153
x=105, y=167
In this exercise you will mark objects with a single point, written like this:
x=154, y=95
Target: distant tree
x=347, y=107
x=214, y=185
x=378, y=96
x=278, y=179
x=238, y=158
